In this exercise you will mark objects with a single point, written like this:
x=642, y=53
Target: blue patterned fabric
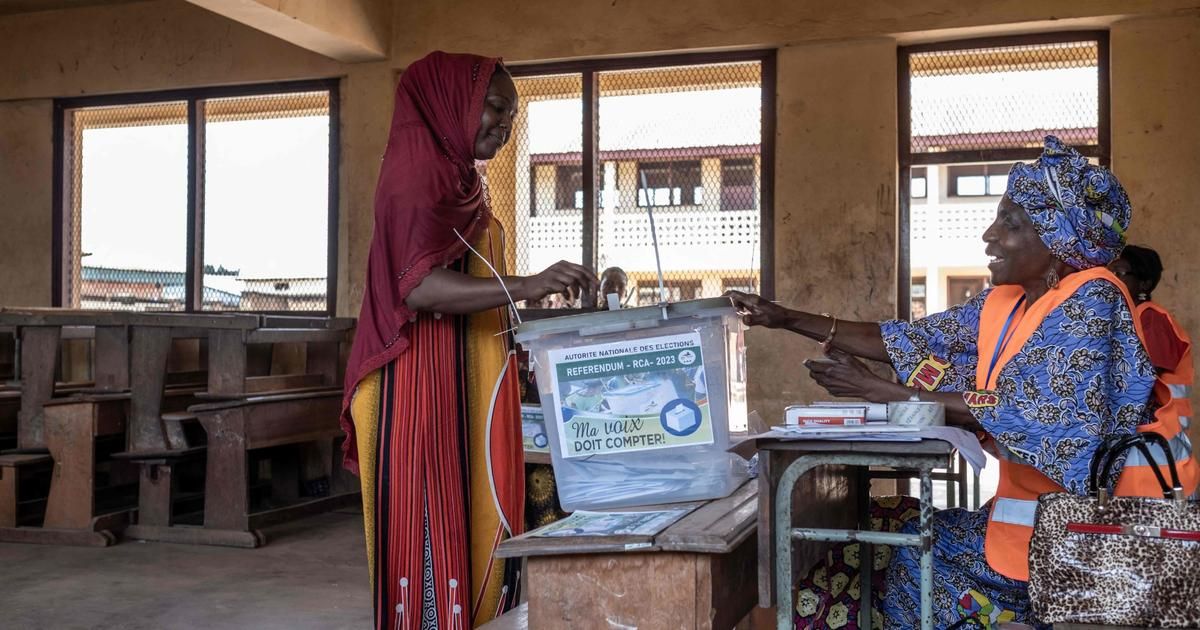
x=1082, y=374
x=964, y=585
x=1080, y=211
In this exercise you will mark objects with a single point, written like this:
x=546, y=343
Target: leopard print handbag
x=1131, y=561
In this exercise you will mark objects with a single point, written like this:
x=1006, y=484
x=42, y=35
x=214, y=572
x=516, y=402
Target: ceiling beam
x=346, y=30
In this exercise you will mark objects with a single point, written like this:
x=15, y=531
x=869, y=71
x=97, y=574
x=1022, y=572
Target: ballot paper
x=586, y=523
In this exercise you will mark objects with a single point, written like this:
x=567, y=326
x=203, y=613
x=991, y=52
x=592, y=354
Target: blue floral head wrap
x=1080, y=211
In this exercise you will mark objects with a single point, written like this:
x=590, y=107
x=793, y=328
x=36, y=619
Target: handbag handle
x=1099, y=458
x=1113, y=447
x=1165, y=446
x=1110, y=448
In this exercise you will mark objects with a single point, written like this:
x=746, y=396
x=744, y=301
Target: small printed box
x=800, y=415
x=533, y=429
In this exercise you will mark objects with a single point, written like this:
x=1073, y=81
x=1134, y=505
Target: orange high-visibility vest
x=1179, y=378
x=1010, y=523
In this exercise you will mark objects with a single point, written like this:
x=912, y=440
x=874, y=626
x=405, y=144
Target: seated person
x=1043, y=366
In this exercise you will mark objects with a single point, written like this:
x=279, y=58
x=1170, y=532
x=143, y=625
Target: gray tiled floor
x=311, y=574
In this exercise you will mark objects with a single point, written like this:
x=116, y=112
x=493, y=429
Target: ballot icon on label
x=680, y=417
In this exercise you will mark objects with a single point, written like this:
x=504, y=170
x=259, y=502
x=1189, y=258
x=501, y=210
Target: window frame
x=194, y=269
x=987, y=171
x=924, y=176
x=730, y=166
x=589, y=70
x=674, y=169
x=1102, y=150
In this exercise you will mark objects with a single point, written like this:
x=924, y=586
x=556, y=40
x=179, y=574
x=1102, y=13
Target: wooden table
x=816, y=475
x=130, y=359
x=236, y=428
x=232, y=382
x=697, y=573
x=131, y=351
x=39, y=332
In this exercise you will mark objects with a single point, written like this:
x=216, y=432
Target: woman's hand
x=567, y=278
x=756, y=311
x=846, y=377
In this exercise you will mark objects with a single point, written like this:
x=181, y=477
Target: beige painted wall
x=1156, y=151
x=367, y=96
x=552, y=29
x=836, y=124
x=835, y=157
x=25, y=231
x=141, y=46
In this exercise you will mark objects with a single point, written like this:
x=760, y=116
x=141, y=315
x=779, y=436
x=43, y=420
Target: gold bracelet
x=828, y=341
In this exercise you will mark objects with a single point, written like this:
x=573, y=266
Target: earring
x=1143, y=296
x=1052, y=279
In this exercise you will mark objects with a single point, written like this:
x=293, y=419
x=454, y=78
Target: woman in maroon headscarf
x=431, y=407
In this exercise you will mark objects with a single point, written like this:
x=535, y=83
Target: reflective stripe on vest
x=1185, y=422
x=1179, y=391
x=1014, y=511
x=1181, y=449
x=1003, y=452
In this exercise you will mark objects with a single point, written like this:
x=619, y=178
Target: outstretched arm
x=861, y=339
x=454, y=293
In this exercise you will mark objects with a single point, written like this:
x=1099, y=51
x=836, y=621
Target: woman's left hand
x=846, y=377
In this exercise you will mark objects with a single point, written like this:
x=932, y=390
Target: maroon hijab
x=428, y=187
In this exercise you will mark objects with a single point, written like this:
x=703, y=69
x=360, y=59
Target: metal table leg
x=866, y=553
x=926, y=550
x=784, y=533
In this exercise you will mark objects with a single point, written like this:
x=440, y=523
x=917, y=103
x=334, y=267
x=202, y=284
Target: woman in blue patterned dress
x=1043, y=366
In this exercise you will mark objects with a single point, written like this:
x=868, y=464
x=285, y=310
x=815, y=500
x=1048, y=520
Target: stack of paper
x=585, y=523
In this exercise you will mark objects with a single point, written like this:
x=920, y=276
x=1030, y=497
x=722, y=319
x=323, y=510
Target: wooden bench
x=230, y=349
x=16, y=496
x=40, y=333
x=8, y=354
x=91, y=494
x=162, y=499
x=10, y=407
x=235, y=430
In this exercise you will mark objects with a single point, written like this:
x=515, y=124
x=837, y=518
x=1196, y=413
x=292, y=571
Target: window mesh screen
x=1004, y=97
x=683, y=141
x=535, y=182
x=266, y=202
x=262, y=195
x=126, y=178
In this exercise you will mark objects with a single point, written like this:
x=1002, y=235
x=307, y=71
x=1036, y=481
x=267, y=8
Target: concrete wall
x=835, y=157
x=1156, y=147
x=25, y=217
x=836, y=142
x=1156, y=151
